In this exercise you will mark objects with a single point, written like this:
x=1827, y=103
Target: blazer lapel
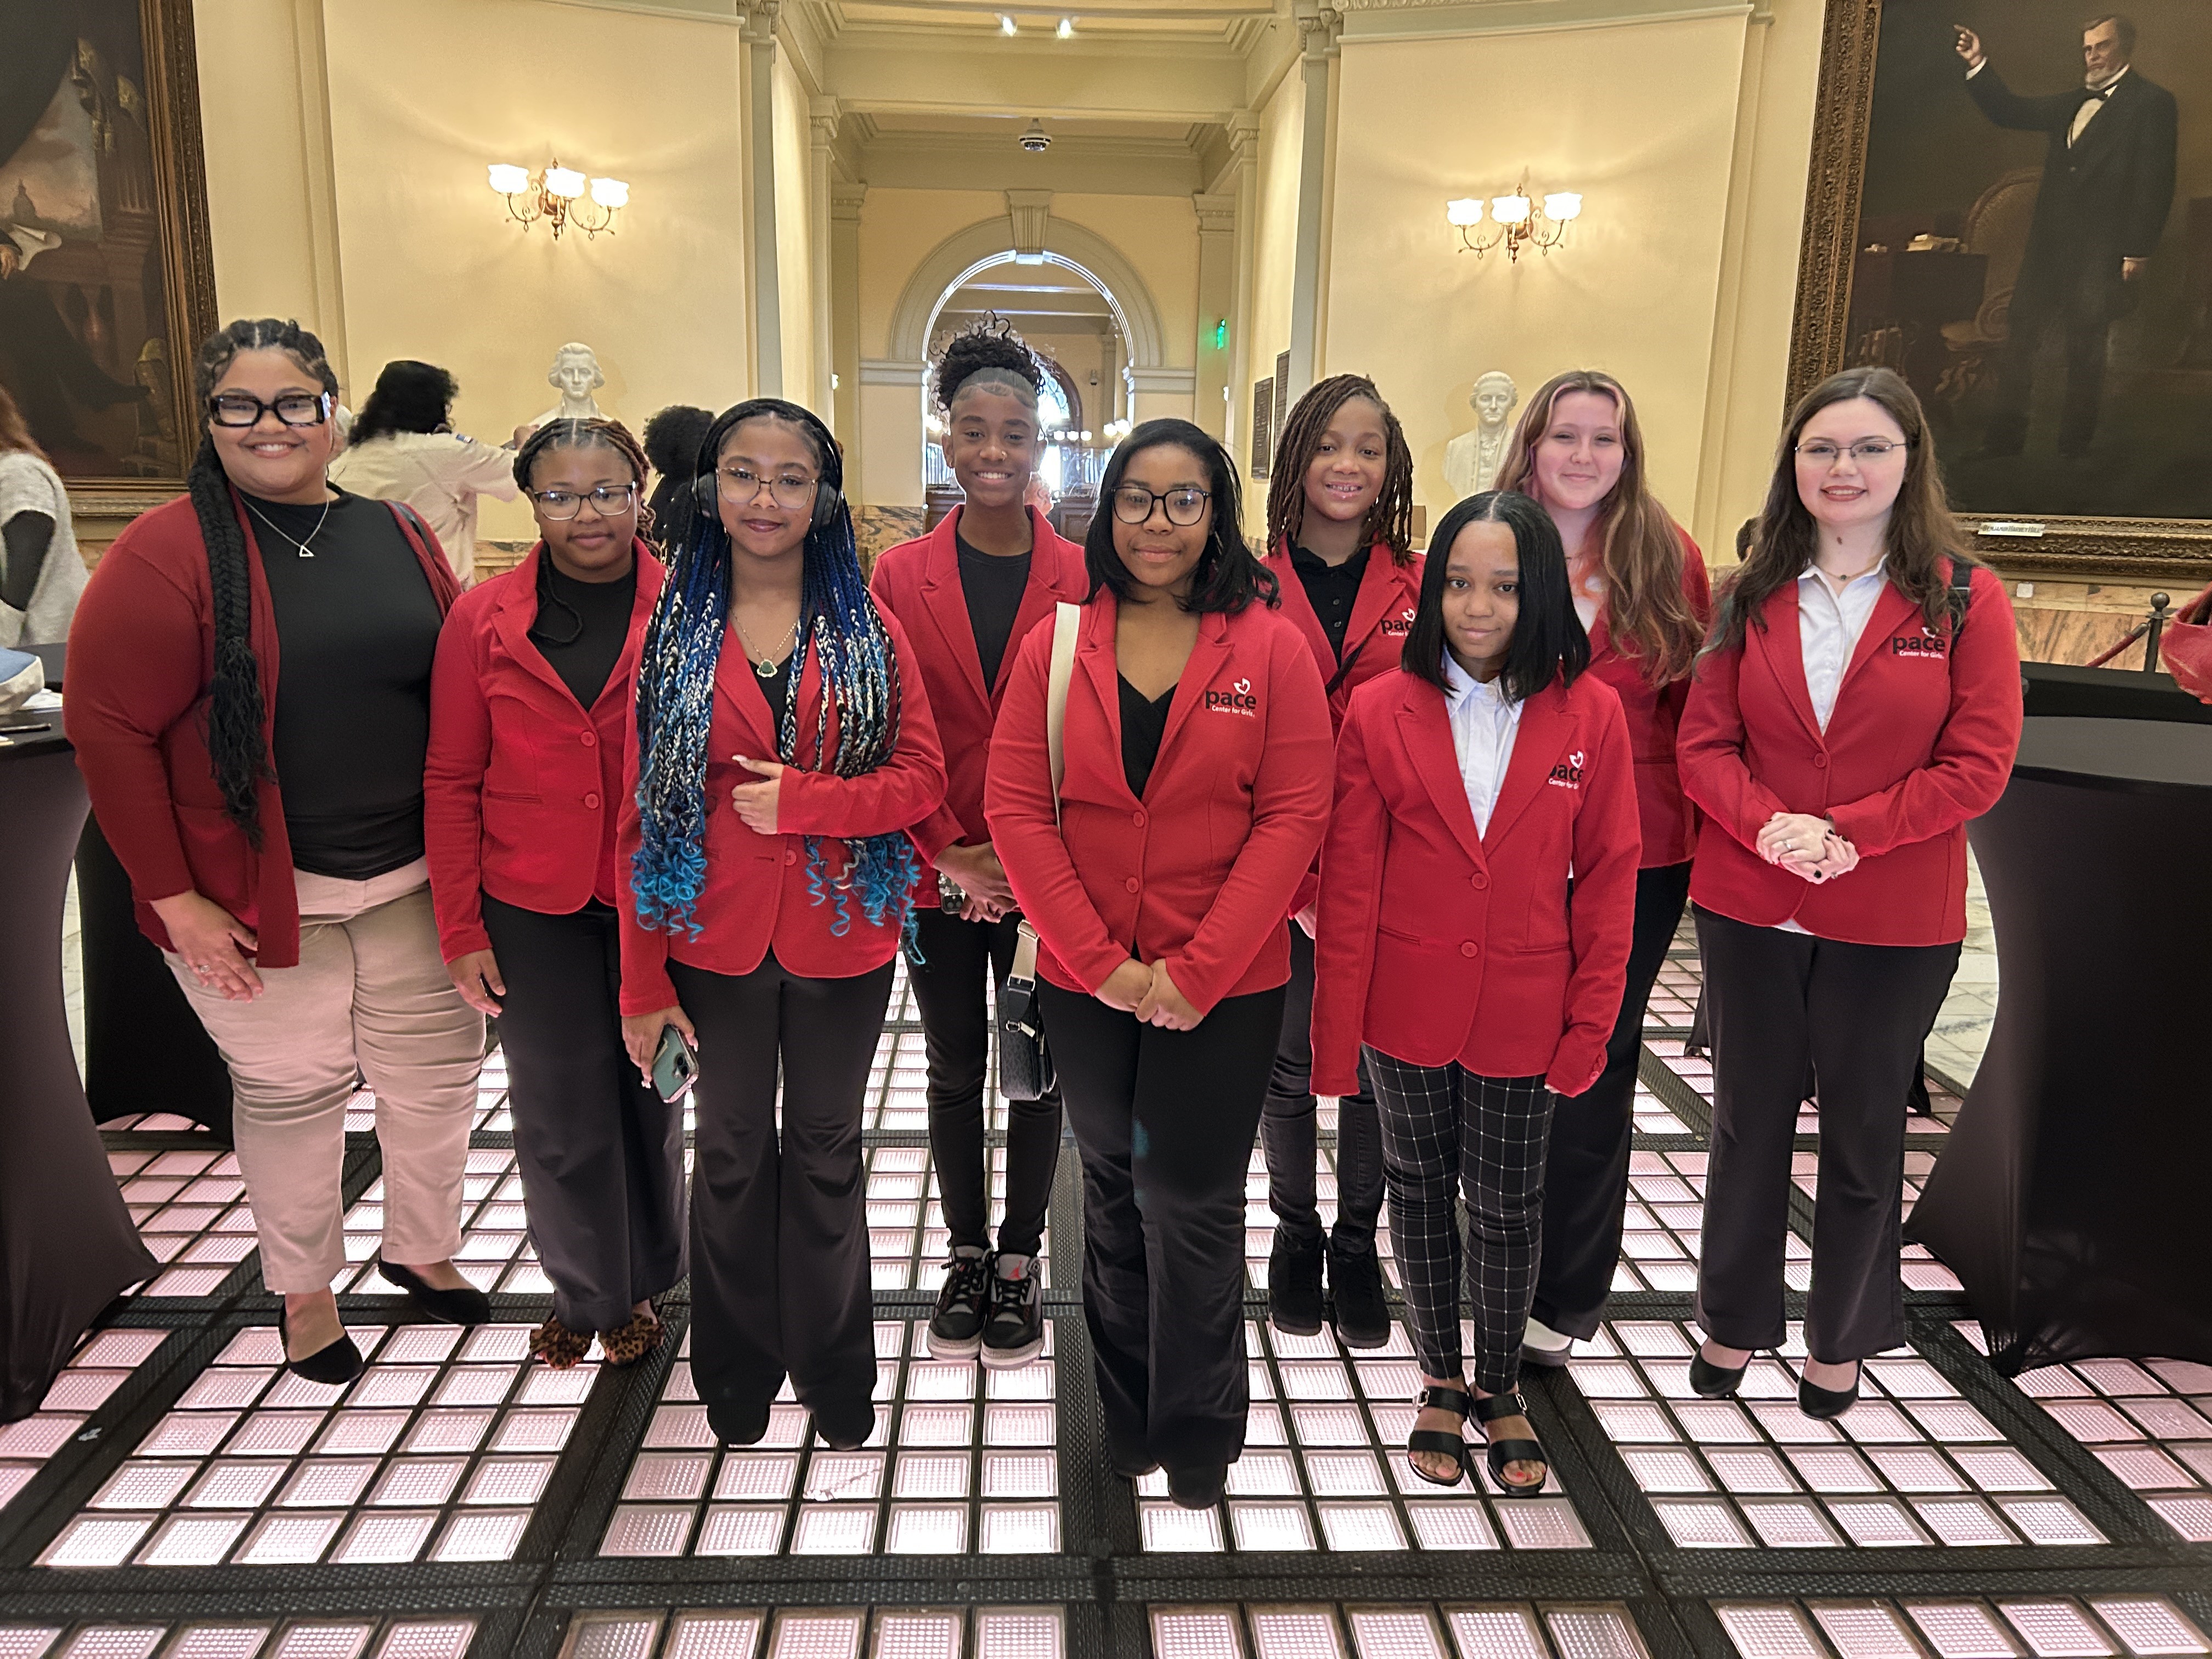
x=1298, y=608
x=1545, y=726
x=1782, y=642
x=1039, y=596
x=1095, y=659
x=1198, y=669
x=517, y=615
x=1425, y=727
x=1378, y=593
x=948, y=604
x=741, y=689
x=651, y=573
x=1890, y=609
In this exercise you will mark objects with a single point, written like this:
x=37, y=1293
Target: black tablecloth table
x=67, y=1246
x=2071, y=1198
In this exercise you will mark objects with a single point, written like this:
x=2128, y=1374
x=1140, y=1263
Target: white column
x=1241, y=177
x=1318, y=28
x=845, y=200
x=759, y=34
x=1217, y=303
x=822, y=134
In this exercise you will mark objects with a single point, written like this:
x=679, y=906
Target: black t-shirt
x=1332, y=589
x=356, y=629
x=993, y=586
x=777, y=690
x=583, y=642
x=1144, y=723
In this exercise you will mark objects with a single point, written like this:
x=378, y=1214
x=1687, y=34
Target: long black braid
x=237, y=712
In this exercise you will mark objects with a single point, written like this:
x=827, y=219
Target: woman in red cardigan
x=265, y=626
x=529, y=710
x=1157, y=872
x=783, y=746
x=1340, y=541
x=967, y=593
x=1859, y=703
x=1478, y=889
x=1640, y=589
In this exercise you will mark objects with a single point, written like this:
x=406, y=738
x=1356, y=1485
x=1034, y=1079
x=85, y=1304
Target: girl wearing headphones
x=530, y=703
x=783, y=744
x=967, y=593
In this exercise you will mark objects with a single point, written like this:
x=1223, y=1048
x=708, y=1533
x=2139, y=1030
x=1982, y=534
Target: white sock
x=1541, y=1336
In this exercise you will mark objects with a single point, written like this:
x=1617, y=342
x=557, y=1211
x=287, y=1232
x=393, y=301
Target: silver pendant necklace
x=298, y=546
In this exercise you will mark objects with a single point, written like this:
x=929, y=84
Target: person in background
x=271, y=820
x=1641, y=591
x=767, y=880
x=41, y=574
x=1157, y=872
x=403, y=448
x=967, y=593
x=1859, y=702
x=672, y=436
x=1475, y=915
x=529, y=714
x=1339, y=543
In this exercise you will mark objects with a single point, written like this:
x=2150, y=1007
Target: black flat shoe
x=335, y=1362
x=1501, y=1452
x=737, y=1422
x=465, y=1306
x=844, y=1426
x=1198, y=1488
x=1712, y=1381
x=1440, y=1442
x=1825, y=1404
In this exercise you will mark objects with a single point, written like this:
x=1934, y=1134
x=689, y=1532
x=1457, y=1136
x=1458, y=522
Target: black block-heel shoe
x=334, y=1362
x=1501, y=1452
x=1198, y=1487
x=1442, y=1443
x=844, y=1425
x=738, y=1422
x=466, y=1305
x=1712, y=1381
x=1825, y=1404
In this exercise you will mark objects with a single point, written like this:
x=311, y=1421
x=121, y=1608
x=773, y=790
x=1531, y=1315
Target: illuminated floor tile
x=989, y=1632
x=190, y=1208
x=241, y=1639
x=100, y=1366
x=1493, y=1629
x=2023, y=1626
x=908, y=1241
x=495, y=1254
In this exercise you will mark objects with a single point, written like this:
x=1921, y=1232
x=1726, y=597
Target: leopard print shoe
x=558, y=1347
x=631, y=1341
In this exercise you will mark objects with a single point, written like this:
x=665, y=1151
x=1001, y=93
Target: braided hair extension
x=675, y=704
x=992, y=355
x=1390, y=520
x=573, y=434
x=237, y=743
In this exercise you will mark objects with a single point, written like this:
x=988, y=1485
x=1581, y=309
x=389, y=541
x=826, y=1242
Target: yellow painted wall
x=1158, y=234
x=1267, y=320
x=794, y=236
x=898, y=229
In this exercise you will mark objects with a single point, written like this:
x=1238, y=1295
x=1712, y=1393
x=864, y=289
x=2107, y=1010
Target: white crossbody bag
x=1025, y=1069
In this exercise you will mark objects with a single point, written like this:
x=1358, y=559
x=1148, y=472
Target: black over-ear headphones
x=827, y=497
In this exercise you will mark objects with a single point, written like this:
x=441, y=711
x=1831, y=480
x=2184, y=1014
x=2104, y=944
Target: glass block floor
x=178, y=1496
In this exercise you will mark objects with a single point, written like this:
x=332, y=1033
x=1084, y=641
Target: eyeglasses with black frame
x=243, y=409
x=1821, y=453
x=608, y=501
x=740, y=485
x=1132, y=504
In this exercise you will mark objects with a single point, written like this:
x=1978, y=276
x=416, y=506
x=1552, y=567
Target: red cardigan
x=758, y=894
x=1198, y=873
x=142, y=657
x=1508, y=951
x=1922, y=739
x=1669, y=821
x=919, y=582
x=520, y=793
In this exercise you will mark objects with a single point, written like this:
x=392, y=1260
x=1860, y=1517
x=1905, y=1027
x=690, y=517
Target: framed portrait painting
x=105, y=282
x=2010, y=203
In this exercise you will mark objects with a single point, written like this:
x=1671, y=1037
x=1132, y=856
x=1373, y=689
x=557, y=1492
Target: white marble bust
x=576, y=375
x=1471, y=460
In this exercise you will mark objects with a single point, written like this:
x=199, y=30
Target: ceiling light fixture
x=1034, y=139
x=1067, y=30
x=1006, y=24
x=557, y=196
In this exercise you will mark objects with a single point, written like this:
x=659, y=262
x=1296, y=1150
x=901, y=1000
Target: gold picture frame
x=2175, y=551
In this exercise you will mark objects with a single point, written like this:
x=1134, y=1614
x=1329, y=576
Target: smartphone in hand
x=675, y=1065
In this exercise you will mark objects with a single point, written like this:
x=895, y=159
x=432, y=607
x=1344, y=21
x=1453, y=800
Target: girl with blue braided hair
x=782, y=746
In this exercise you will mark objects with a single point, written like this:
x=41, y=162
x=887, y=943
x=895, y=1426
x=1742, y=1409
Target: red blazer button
x=591, y=800
x=1470, y=949
x=1132, y=883
x=1480, y=880
x=1820, y=761
x=590, y=740
x=1137, y=818
x=791, y=858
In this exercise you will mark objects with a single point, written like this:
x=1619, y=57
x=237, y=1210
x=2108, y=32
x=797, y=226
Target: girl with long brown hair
x=1639, y=585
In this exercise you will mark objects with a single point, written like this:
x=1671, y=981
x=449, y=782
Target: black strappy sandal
x=1442, y=1443
x=1501, y=1452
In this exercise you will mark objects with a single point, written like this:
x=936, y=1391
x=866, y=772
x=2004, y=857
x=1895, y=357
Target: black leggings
x=600, y=1153
x=1165, y=1121
x=955, y=1004
x=1586, y=1171
x=1286, y=1127
x=779, y=1232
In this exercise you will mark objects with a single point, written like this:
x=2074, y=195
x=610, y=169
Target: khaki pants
x=370, y=995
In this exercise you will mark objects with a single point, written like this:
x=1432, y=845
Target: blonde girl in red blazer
x=1340, y=542
x=1195, y=788
x=1640, y=589
x=967, y=594
x=1478, y=893
x=1859, y=703
x=530, y=707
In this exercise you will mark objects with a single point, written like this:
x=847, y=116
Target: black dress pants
x=600, y=1153
x=1165, y=1121
x=956, y=1028
x=1286, y=1127
x=779, y=1230
x=1857, y=1014
x=1586, y=1170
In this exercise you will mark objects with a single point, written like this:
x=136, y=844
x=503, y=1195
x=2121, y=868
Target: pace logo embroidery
x=1568, y=774
x=1401, y=623
x=1237, y=700
x=1927, y=645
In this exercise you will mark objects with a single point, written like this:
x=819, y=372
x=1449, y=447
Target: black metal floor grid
x=178, y=1496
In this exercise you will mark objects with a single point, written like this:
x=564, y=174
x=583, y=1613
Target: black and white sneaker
x=1014, y=1334
x=956, y=1329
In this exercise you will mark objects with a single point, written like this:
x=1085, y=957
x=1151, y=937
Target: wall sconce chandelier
x=561, y=195
x=1516, y=220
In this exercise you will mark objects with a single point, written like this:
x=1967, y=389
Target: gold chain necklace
x=764, y=664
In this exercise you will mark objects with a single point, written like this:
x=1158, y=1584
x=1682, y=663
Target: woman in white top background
x=403, y=448
x=41, y=574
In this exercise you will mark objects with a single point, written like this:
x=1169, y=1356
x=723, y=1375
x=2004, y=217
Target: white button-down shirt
x=1828, y=629
x=1484, y=721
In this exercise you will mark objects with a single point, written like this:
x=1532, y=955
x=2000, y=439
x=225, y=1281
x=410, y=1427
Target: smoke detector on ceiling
x=1034, y=139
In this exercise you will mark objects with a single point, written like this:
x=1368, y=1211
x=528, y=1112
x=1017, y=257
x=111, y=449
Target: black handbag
x=1025, y=1068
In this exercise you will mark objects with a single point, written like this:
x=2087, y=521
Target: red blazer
x=520, y=793
x=1921, y=740
x=142, y=657
x=1416, y=910
x=758, y=894
x=919, y=582
x=1668, y=819
x=1198, y=873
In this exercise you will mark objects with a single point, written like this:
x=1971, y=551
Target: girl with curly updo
x=969, y=593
